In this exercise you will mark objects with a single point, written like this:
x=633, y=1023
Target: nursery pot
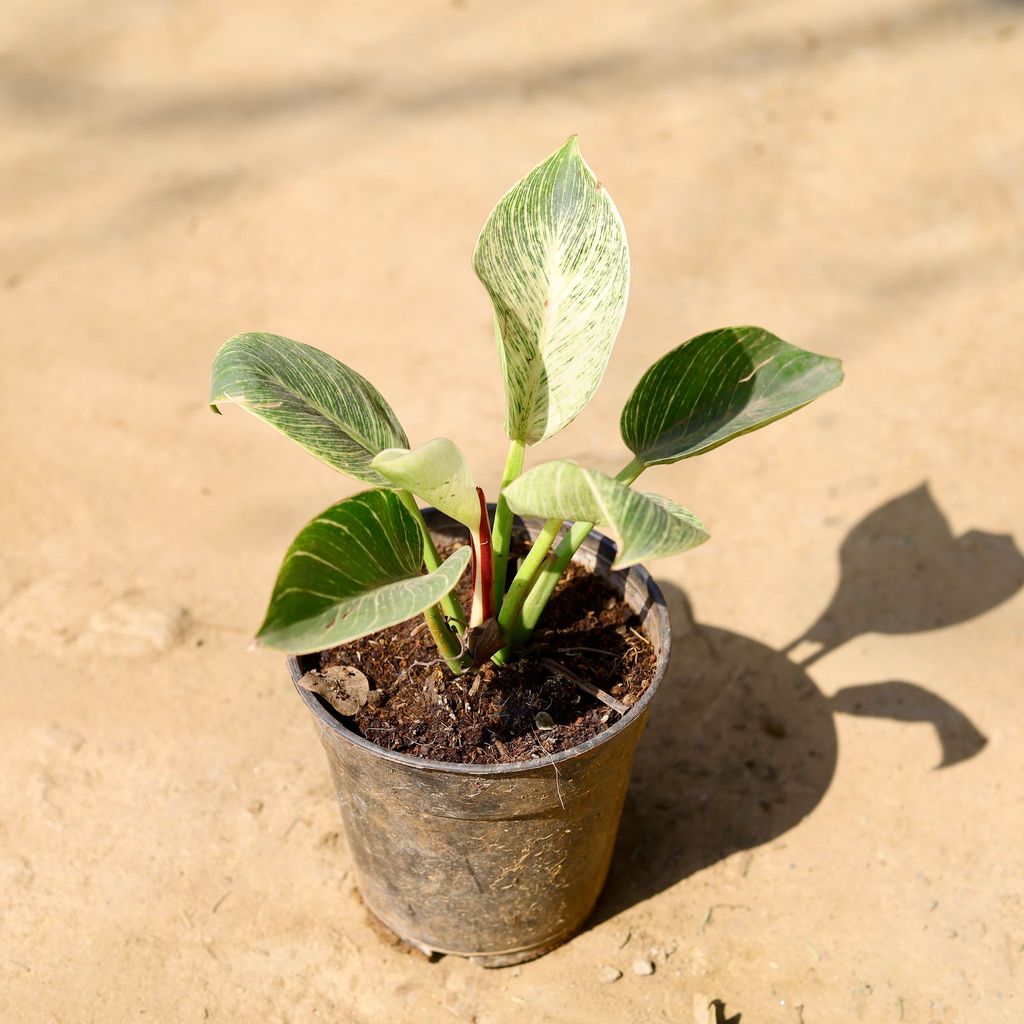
x=496, y=862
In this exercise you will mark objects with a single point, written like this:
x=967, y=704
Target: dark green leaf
x=355, y=569
x=718, y=386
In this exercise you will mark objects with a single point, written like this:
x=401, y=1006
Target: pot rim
x=657, y=607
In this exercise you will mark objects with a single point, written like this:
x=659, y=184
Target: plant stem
x=501, y=533
x=432, y=560
x=527, y=573
x=448, y=645
x=521, y=585
x=541, y=591
x=630, y=472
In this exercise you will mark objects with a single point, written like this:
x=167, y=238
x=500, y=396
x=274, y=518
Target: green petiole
x=501, y=531
x=519, y=632
x=431, y=559
x=520, y=587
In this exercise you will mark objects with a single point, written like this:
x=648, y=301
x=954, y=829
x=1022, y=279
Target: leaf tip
x=569, y=153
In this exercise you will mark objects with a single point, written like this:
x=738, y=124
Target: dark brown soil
x=510, y=713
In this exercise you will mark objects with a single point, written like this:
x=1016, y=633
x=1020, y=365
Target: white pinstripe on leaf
x=645, y=525
x=353, y=570
x=718, y=386
x=554, y=259
x=320, y=403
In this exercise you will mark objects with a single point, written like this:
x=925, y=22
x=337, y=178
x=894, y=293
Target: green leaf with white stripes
x=645, y=525
x=553, y=257
x=438, y=473
x=320, y=403
x=718, y=386
x=355, y=569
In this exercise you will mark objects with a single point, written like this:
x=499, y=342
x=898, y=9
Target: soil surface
x=824, y=821
x=522, y=710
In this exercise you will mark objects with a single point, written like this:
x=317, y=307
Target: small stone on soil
x=643, y=967
x=608, y=974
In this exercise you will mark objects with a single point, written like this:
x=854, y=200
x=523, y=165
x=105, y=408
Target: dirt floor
x=826, y=818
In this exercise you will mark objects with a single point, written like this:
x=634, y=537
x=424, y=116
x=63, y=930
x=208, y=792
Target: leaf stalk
x=527, y=573
x=449, y=604
x=447, y=642
x=501, y=532
x=630, y=472
x=548, y=577
x=546, y=581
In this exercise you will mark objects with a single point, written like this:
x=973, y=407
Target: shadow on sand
x=741, y=744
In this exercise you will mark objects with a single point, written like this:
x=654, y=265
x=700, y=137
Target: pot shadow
x=741, y=744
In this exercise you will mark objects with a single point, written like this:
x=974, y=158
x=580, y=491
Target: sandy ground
x=849, y=175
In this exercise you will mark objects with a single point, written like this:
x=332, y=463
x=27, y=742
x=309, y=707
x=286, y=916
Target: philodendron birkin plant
x=553, y=258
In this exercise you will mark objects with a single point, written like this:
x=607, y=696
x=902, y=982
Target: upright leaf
x=438, y=473
x=646, y=525
x=553, y=257
x=718, y=386
x=320, y=403
x=355, y=569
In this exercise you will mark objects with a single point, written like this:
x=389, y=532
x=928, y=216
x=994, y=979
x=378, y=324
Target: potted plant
x=481, y=783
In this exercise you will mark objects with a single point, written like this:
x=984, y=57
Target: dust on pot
x=497, y=862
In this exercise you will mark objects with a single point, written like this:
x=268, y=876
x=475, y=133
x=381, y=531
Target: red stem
x=486, y=560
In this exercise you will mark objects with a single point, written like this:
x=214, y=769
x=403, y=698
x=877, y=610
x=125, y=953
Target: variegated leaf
x=718, y=386
x=320, y=403
x=355, y=569
x=438, y=473
x=553, y=257
x=645, y=525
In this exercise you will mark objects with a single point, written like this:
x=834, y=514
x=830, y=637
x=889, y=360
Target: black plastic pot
x=501, y=862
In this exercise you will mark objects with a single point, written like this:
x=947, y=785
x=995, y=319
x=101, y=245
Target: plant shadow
x=741, y=743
